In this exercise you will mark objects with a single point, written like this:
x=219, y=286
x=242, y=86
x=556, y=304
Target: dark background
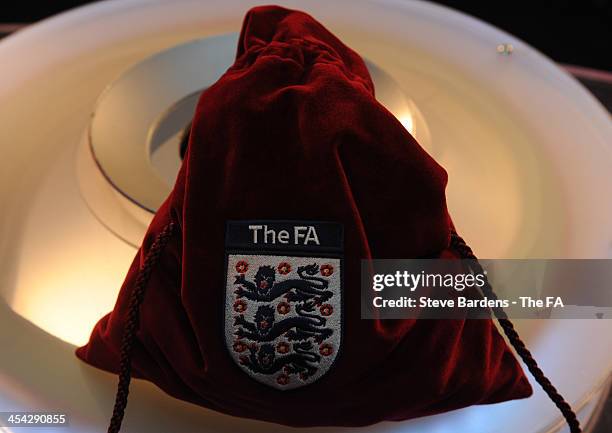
x=576, y=32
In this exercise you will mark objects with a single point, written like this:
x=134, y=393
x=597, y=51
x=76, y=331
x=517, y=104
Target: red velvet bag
x=245, y=294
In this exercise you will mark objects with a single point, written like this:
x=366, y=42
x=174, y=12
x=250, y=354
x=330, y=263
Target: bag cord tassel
x=132, y=323
x=466, y=252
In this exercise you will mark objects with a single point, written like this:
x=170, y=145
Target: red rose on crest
x=284, y=268
x=282, y=379
x=283, y=307
x=326, y=310
x=239, y=346
x=240, y=306
x=326, y=349
x=242, y=267
x=282, y=347
x=327, y=270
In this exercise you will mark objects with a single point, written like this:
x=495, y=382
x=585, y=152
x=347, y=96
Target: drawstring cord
x=131, y=326
x=133, y=318
x=466, y=253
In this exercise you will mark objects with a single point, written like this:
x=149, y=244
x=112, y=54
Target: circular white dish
x=526, y=147
x=139, y=120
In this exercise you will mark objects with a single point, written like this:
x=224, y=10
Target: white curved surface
x=138, y=122
x=524, y=142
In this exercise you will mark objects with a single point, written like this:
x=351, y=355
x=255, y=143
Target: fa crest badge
x=283, y=299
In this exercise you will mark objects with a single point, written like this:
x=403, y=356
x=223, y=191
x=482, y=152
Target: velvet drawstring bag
x=244, y=296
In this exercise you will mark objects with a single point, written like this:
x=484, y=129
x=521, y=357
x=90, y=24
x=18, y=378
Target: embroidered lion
x=265, y=328
x=265, y=288
x=263, y=360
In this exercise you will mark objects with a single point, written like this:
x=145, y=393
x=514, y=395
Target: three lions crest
x=283, y=317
